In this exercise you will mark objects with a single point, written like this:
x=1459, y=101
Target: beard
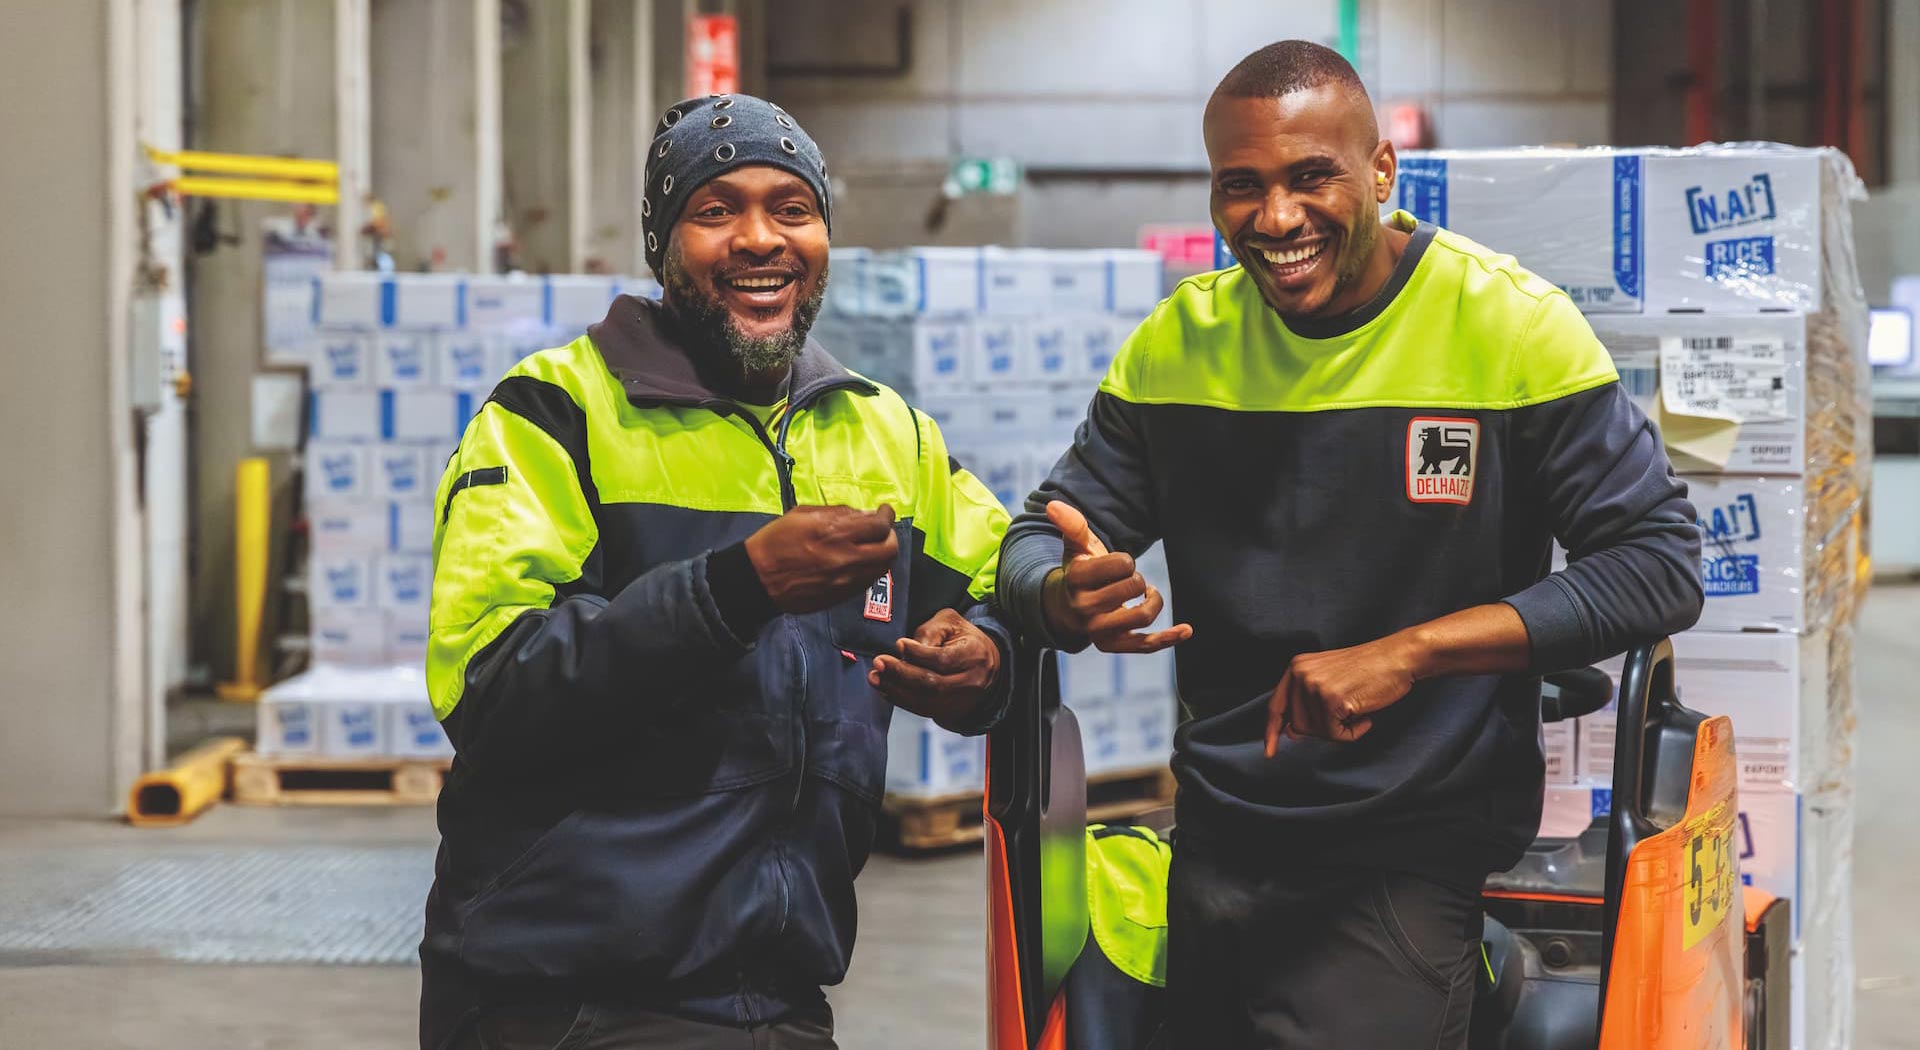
x=711, y=328
x=1356, y=251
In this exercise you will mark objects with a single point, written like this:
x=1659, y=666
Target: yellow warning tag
x=1711, y=882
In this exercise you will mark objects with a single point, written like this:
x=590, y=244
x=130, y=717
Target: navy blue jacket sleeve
x=1611, y=497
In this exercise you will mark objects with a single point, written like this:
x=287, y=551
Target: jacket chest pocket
x=870, y=623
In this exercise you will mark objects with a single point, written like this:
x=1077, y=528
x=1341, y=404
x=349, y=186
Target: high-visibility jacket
x=644, y=807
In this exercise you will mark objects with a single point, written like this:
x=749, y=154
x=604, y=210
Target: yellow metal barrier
x=246, y=164
x=257, y=189
x=252, y=514
x=244, y=176
x=170, y=797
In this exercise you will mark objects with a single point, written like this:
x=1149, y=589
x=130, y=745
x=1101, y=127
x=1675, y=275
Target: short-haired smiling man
x=1357, y=448
x=687, y=564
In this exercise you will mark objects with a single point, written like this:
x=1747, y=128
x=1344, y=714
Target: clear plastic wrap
x=1573, y=216
x=1736, y=317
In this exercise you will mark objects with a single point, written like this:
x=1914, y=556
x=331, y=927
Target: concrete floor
x=917, y=976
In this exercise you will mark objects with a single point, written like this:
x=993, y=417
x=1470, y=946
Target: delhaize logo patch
x=1442, y=457
x=880, y=599
x=1731, y=206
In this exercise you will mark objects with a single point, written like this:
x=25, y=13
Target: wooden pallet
x=319, y=780
x=944, y=821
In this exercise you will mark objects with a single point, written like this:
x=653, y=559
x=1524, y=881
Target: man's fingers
x=1095, y=572
x=1276, y=714
x=1129, y=617
x=863, y=526
x=942, y=627
x=901, y=681
x=1135, y=642
x=1304, y=710
x=946, y=659
x=1112, y=596
x=1074, y=530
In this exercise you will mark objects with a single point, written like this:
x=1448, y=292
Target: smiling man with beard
x=686, y=566
x=1357, y=447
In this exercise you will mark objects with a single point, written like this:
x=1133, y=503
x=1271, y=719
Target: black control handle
x=1582, y=691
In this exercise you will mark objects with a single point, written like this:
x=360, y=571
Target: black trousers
x=1307, y=957
x=589, y=1027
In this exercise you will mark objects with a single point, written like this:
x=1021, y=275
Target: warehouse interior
x=254, y=240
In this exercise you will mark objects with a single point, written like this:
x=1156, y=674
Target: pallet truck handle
x=1582, y=691
x=1646, y=694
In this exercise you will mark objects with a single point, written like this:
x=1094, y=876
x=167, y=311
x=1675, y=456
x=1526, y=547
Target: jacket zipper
x=783, y=463
x=782, y=460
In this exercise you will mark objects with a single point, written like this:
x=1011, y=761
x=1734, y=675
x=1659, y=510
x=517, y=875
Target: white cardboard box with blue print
x=289, y=727
x=405, y=581
x=345, y=415
x=413, y=732
x=1752, y=561
x=1736, y=230
x=467, y=360
x=349, y=637
x=1774, y=686
x=1572, y=216
x=340, y=580
x=1728, y=391
x=341, y=361
x=403, y=360
x=924, y=759
x=355, y=527
x=352, y=728
x=400, y=471
x=337, y=471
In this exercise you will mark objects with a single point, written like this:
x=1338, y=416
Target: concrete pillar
x=69, y=527
x=545, y=128
x=353, y=126
x=436, y=129
x=160, y=298
x=264, y=83
x=622, y=118
x=1903, y=91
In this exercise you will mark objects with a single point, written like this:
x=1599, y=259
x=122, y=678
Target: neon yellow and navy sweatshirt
x=1320, y=486
x=662, y=789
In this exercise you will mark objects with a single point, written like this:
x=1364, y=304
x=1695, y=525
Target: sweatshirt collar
x=1409, y=261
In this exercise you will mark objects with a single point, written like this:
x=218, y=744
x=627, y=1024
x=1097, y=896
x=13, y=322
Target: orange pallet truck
x=1635, y=935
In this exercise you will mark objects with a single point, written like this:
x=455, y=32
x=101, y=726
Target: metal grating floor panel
x=335, y=905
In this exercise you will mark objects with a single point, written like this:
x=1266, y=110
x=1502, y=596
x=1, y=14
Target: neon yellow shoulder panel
x=1471, y=329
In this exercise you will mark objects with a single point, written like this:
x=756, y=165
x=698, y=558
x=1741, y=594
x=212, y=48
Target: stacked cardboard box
x=1003, y=348
x=397, y=365
x=1722, y=281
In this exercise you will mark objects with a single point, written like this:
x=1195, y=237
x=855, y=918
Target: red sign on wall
x=1184, y=245
x=713, y=55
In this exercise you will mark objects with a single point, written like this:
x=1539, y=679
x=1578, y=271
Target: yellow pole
x=172, y=796
x=252, y=509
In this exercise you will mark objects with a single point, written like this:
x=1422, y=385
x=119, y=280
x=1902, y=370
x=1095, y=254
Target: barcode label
x=1724, y=377
x=1640, y=382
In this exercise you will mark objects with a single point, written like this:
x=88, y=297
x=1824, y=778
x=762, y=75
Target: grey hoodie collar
x=642, y=346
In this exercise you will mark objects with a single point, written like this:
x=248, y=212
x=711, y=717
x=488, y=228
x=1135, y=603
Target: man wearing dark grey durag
x=686, y=567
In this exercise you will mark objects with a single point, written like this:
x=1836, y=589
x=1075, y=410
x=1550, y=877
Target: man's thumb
x=1074, y=529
